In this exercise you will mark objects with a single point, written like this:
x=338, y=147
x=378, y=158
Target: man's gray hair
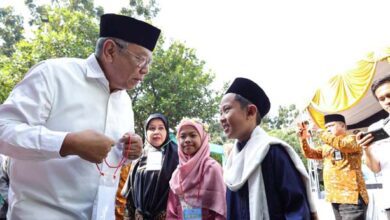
x=100, y=42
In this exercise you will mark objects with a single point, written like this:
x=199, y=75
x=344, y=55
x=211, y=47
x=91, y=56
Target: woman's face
x=189, y=140
x=156, y=132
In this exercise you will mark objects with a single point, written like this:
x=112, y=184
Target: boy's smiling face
x=237, y=122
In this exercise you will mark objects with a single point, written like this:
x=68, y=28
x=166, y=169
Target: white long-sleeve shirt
x=56, y=97
x=381, y=151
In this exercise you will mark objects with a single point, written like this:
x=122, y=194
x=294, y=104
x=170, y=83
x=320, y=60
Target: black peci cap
x=251, y=91
x=129, y=29
x=334, y=117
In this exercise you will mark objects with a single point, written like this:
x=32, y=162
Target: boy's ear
x=252, y=110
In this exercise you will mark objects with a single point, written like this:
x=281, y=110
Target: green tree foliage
x=13, y=68
x=290, y=137
x=176, y=86
x=39, y=13
x=66, y=28
x=281, y=126
x=286, y=115
x=137, y=8
x=66, y=34
x=11, y=30
x=215, y=130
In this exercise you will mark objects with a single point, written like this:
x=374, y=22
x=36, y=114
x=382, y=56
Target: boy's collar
x=241, y=145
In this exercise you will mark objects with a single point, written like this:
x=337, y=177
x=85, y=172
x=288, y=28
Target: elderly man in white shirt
x=69, y=126
x=377, y=150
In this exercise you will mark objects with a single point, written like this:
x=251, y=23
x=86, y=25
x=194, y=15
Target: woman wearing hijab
x=197, y=187
x=151, y=174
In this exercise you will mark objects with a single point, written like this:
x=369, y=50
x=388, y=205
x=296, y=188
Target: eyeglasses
x=140, y=61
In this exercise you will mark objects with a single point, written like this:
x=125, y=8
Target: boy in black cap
x=69, y=115
x=265, y=177
x=342, y=158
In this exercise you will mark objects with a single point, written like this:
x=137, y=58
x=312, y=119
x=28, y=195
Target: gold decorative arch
x=349, y=93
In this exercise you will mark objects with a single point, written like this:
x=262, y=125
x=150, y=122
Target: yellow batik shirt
x=343, y=177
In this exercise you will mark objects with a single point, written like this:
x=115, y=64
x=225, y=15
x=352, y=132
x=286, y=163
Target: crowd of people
x=67, y=132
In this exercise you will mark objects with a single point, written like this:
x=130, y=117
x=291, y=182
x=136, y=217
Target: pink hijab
x=198, y=179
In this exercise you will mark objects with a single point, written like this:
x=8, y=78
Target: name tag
x=154, y=161
x=337, y=155
x=191, y=213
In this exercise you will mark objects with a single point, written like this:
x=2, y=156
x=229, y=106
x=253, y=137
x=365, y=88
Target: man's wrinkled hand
x=132, y=145
x=88, y=144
